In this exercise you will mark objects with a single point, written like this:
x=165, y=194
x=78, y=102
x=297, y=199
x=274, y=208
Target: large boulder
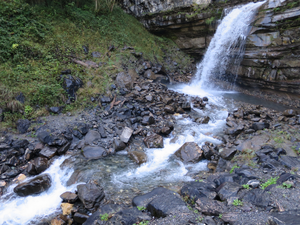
x=154, y=141
x=124, y=80
x=90, y=194
x=91, y=136
x=37, y=166
x=94, y=152
x=190, y=152
x=34, y=186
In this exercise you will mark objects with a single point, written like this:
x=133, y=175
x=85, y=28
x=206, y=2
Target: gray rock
x=48, y=152
x=124, y=80
x=69, y=197
x=190, y=152
x=91, y=136
x=37, y=166
x=149, y=75
x=228, y=190
x=90, y=194
x=260, y=126
x=228, y=153
x=148, y=120
x=129, y=216
x=257, y=197
x=126, y=134
x=195, y=190
x=119, y=145
x=34, y=186
x=94, y=152
x=210, y=207
x=55, y=110
x=290, y=217
x=96, y=54
x=102, y=131
x=169, y=109
x=253, y=183
x=138, y=157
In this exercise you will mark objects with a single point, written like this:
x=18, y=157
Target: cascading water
x=118, y=174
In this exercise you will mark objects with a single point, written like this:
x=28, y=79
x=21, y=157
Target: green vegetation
x=41, y=39
x=210, y=20
x=141, y=208
x=269, y=182
x=237, y=202
x=246, y=186
x=220, y=216
x=245, y=157
x=104, y=217
x=145, y=222
x=233, y=168
x=285, y=185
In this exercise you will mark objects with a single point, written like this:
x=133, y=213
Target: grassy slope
x=36, y=44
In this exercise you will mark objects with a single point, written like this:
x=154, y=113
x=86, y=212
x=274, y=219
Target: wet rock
x=205, y=99
x=69, y=197
x=154, y=141
x=124, y=80
x=190, y=152
x=138, y=157
x=169, y=109
x=126, y=134
x=203, y=120
x=22, y=125
x=48, y=152
x=290, y=113
x=228, y=190
x=91, y=136
x=119, y=145
x=90, y=194
x=234, y=130
x=129, y=216
x=34, y=186
x=64, y=149
x=148, y=120
x=186, y=106
x=257, y=197
x=149, y=75
x=260, y=126
x=80, y=217
x=210, y=207
x=37, y=166
x=195, y=190
x=94, y=152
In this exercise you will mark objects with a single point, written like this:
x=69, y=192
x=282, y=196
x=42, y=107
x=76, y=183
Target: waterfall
x=227, y=46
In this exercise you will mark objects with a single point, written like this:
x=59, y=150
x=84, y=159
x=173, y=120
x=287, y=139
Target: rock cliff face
x=272, y=56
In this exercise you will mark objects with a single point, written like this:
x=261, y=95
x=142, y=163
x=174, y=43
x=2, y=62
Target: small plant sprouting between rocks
x=220, y=216
x=234, y=167
x=237, y=202
x=269, y=182
x=246, y=186
x=142, y=223
x=285, y=185
x=141, y=208
x=104, y=217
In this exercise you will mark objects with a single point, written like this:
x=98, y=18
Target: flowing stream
x=122, y=178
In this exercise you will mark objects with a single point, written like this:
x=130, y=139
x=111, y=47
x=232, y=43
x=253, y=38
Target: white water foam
x=16, y=210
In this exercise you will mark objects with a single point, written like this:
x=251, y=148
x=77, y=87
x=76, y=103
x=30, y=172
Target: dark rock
x=71, y=85
x=23, y=143
x=90, y=195
x=205, y=99
x=186, y=106
x=195, y=190
x=289, y=161
x=21, y=98
x=82, y=128
x=189, y=152
x=69, y=197
x=154, y=141
x=124, y=80
x=48, y=152
x=65, y=72
x=160, y=69
x=226, y=177
x=257, y=197
x=228, y=190
x=143, y=200
x=285, y=177
x=37, y=166
x=290, y=217
x=119, y=145
x=222, y=165
x=80, y=217
x=91, y=152
x=102, y=132
x=34, y=186
x=169, y=109
x=64, y=149
x=85, y=49
x=23, y=125
x=203, y=120
x=44, y=136
x=4, y=146
x=148, y=120
x=210, y=207
x=290, y=112
x=57, y=141
x=228, y=153
x=138, y=157
x=1, y=115
x=260, y=126
x=105, y=99
x=236, y=130
x=129, y=216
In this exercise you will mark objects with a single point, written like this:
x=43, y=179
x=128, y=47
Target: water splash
x=16, y=210
x=227, y=45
